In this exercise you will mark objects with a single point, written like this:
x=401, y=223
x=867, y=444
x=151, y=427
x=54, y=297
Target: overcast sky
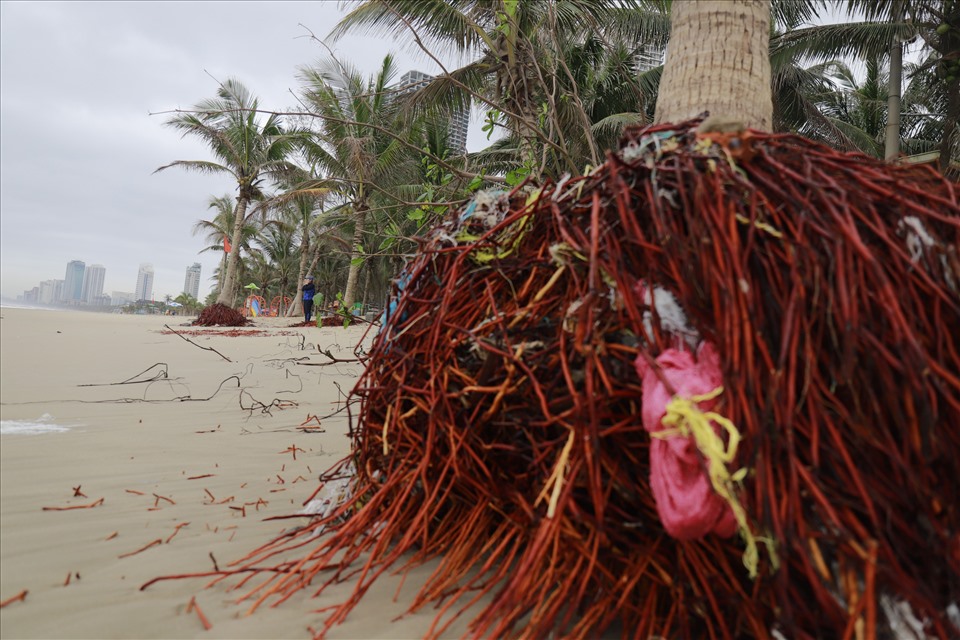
x=78, y=146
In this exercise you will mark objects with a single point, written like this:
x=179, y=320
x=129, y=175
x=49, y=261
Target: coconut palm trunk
x=892, y=142
x=718, y=61
x=947, y=145
x=229, y=286
x=297, y=305
x=356, y=252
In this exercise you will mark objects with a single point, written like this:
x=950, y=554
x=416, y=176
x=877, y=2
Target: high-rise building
x=50, y=291
x=144, y=290
x=459, y=122
x=191, y=284
x=93, y=283
x=649, y=57
x=72, y=291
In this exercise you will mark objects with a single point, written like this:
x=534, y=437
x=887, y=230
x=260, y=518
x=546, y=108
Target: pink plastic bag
x=688, y=506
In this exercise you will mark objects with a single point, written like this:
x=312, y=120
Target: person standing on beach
x=308, y=291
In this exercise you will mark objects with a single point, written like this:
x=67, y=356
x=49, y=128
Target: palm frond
x=200, y=166
x=445, y=24
x=834, y=41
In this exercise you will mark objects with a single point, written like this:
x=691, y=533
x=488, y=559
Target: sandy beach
x=110, y=480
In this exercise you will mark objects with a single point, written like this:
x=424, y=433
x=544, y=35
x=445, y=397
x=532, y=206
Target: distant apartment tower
x=31, y=295
x=191, y=284
x=50, y=291
x=457, y=129
x=72, y=291
x=649, y=57
x=144, y=290
x=93, y=283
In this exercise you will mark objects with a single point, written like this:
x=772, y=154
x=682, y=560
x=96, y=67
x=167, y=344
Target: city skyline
x=83, y=285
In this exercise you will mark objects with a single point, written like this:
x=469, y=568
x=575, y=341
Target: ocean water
x=43, y=424
x=6, y=303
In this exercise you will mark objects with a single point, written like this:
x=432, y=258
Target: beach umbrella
x=251, y=286
x=174, y=304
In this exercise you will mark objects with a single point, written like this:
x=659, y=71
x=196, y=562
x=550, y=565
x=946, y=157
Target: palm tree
x=300, y=205
x=276, y=258
x=927, y=108
x=877, y=35
x=217, y=232
x=519, y=68
x=594, y=94
x=244, y=147
x=859, y=108
x=353, y=145
x=188, y=304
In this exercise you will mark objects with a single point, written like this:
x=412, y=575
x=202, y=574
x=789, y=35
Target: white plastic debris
x=333, y=494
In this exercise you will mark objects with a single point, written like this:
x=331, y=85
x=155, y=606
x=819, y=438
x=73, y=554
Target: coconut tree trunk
x=892, y=145
x=222, y=274
x=947, y=145
x=297, y=305
x=350, y=295
x=365, y=298
x=718, y=61
x=228, y=290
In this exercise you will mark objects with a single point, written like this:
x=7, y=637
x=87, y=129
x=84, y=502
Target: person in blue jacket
x=308, y=291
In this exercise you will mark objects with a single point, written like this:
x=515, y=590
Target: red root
x=499, y=426
x=220, y=315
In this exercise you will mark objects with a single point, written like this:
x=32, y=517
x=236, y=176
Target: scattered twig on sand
x=159, y=498
x=176, y=530
x=143, y=548
x=310, y=418
x=176, y=399
x=19, y=597
x=203, y=619
x=307, y=427
x=197, y=345
x=77, y=493
x=292, y=449
x=209, y=430
x=161, y=374
x=333, y=360
x=97, y=503
x=280, y=362
x=222, y=573
x=276, y=403
x=288, y=375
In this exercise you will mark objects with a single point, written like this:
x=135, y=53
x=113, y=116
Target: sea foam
x=43, y=424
